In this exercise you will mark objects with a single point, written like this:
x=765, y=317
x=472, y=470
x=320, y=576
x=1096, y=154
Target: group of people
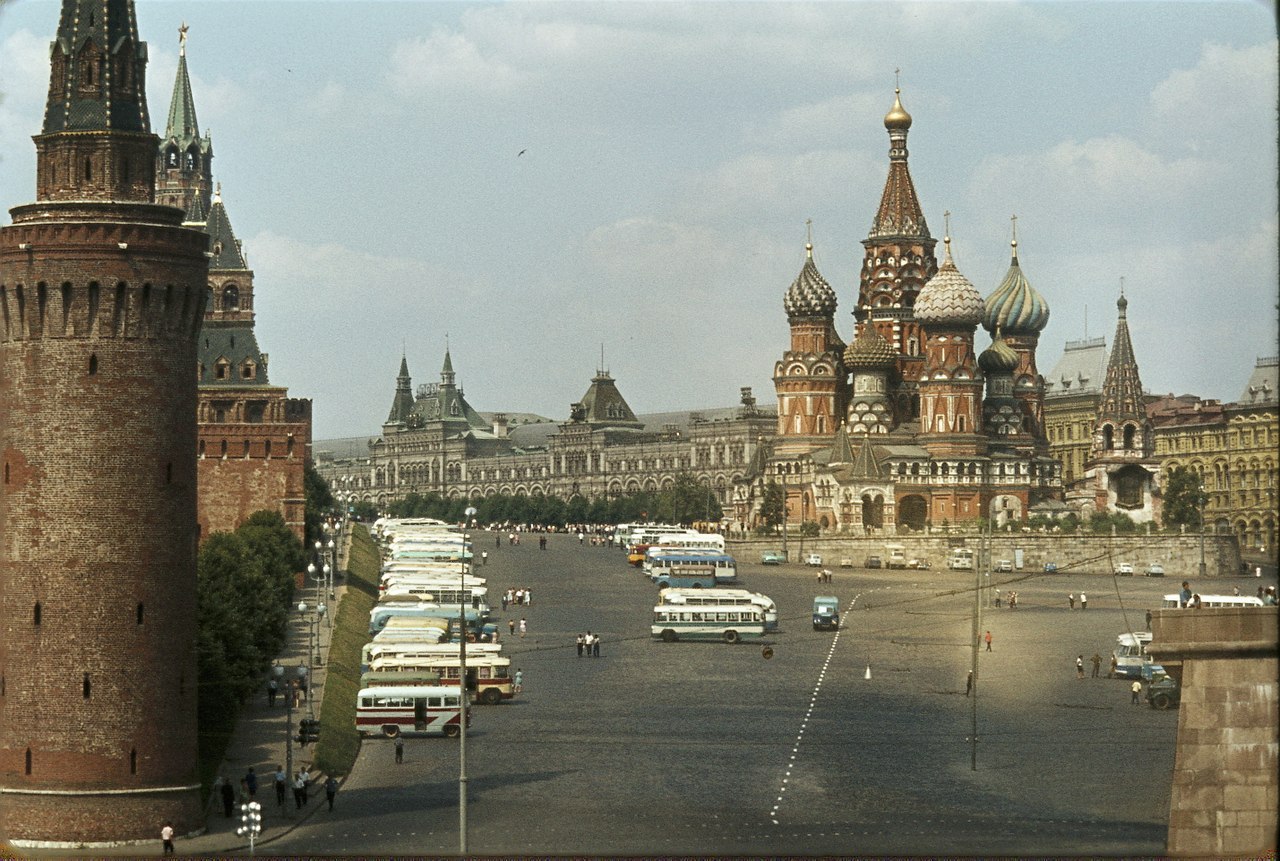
x=589, y=644
x=1012, y=600
x=517, y=597
x=1071, y=601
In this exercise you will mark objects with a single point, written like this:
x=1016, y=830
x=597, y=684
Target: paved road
x=688, y=748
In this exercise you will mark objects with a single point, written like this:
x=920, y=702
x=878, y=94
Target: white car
x=1004, y=566
x=1155, y=570
x=813, y=559
x=1125, y=568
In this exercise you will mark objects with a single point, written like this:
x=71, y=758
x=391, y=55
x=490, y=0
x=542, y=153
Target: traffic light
x=308, y=730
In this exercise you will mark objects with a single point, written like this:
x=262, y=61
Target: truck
x=826, y=613
x=895, y=556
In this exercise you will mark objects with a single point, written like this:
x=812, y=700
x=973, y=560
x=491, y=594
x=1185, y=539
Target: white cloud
x=1221, y=92
x=447, y=62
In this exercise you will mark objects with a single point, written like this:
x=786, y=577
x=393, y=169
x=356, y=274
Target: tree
x=773, y=504
x=1183, y=496
x=319, y=501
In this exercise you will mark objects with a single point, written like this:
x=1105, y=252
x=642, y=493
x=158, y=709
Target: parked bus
x=661, y=556
x=456, y=553
x=488, y=675
x=398, y=679
x=1130, y=654
x=436, y=591
x=1172, y=602
x=722, y=598
x=728, y=622
x=419, y=709
x=409, y=628
x=375, y=650
x=382, y=612
x=960, y=559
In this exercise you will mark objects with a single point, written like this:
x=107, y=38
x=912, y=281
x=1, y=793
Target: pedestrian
x=1148, y=620
x=484, y=557
x=998, y=599
x=511, y=626
x=1013, y=601
x=251, y=783
x=595, y=646
x=330, y=790
x=399, y=750
x=1135, y=689
x=1184, y=597
x=519, y=686
x=497, y=540
x=281, y=781
x=580, y=644
x=166, y=838
x=1111, y=674
x=1096, y=660
x=988, y=639
x=273, y=688
x=524, y=627
x=1071, y=601
x=306, y=784
x=504, y=602
x=228, y=793
x=528, y=597
x=1084, y=601
x=968, y=684
x=1080, y=667
x=298, y=790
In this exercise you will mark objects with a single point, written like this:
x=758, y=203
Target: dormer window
x=222, y=370
x=248, y=370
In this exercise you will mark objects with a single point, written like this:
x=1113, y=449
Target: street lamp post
x=287, y=690
x=783, y=475
x=462, y=691
x=303, y=672
x=1200, y=499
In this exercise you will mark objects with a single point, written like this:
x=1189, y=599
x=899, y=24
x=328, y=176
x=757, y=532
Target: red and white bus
x=416, y=709
x=488, y=675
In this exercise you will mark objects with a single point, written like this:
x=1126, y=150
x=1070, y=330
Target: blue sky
x=369, y=159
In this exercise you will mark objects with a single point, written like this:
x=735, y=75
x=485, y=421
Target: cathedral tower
x=102, y=292
x=184, y=165
x=898, y=260
x=809, y=378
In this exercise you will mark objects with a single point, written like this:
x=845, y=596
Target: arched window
x=1129, y=431
x=231, y=298
x=1108, y=438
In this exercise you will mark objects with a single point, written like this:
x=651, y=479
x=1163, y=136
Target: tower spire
x=1122, y=387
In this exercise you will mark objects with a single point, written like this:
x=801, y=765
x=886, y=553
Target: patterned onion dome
x=869, y=351
x=809, y=295
x=897, y=118
x=1015, y=307
x=949, y=298
x=999, y=358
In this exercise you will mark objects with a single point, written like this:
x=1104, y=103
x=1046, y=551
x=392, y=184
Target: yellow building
x=1072, y=392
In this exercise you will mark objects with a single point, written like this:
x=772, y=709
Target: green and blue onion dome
x=1015, y=307
x=809, y=295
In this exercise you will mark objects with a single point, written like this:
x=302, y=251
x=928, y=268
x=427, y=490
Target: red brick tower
x=102, y=293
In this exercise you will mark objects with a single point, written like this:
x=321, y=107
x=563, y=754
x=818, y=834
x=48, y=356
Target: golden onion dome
x=897, y=118
x=999, y=358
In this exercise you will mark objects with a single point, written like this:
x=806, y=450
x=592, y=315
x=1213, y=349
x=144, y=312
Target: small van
x=826, y=613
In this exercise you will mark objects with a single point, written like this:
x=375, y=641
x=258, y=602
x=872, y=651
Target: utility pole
x=462, y=692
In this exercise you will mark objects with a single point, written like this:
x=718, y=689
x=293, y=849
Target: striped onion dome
x=999, y=358
x=949, y=298
x=869, y=351
x=809, y=295
x=1015, y=307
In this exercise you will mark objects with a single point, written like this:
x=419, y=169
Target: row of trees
x=686, y=501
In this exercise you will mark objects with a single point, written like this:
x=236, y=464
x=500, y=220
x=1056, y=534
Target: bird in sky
x=522, y=152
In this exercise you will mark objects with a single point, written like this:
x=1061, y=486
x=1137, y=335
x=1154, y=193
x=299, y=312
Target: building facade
x=254, y=440
x=103, y=294
x=1072, y=393
x=434, y=441
x=908, y=427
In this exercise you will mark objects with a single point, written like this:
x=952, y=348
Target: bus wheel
x=491, y=697
x=452, y=730
x=668, y=636
x=391, y=730
x=731, y=636
x=697, y=585
x=1160, y=701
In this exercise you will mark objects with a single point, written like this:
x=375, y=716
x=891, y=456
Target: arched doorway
x=873, y=511
x=912, y=512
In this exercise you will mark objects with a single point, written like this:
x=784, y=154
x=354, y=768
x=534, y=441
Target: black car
x=872, y=562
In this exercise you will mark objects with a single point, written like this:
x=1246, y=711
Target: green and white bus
x=730, y=623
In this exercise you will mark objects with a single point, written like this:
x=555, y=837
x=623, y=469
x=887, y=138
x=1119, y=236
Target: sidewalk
x=262, y=733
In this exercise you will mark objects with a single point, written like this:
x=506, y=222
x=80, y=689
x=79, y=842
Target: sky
x=538, y=185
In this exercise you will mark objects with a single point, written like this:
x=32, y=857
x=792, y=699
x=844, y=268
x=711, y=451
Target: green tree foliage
x=319, y=501
x=1183, y=496
x=1102, y=522
x=772, y=506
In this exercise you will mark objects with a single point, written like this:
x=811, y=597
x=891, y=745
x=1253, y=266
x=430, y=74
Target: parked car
x=918, y=563
x=1125, y=568
x=1004, y=566
x=1163, y=692
x=872, y=562
x=846, y=562
x=1051, y=567
x=814, y=560
x=1155, y=570
x=772, y=557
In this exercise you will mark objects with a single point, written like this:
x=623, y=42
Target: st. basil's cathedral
x=907, y=427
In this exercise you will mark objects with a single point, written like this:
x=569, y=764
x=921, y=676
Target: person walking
x=281, y=781
x=519, y=685
x=399, y=750
x=298, y=790
x=511, y=626
x=1148, y=620
x=1084, y=601
x=1080, y=666
x=1071, y=601
x=1096, y=660
x=273, y=688
x=306, y=785
x=228, y=793
x=330, y=790
x=166, y=838
x=968, y=684
x=524, y=627
x=595, y=646
x=580, y=641
x=504, y=602
x=988, y=639
x=1136, y=689
x=251, y=783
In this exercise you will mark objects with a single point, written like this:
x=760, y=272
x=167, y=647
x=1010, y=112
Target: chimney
x=500, y=425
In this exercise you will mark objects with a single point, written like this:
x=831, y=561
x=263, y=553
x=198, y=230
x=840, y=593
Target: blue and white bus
x=664, y=566
x=730, y=623
x=719, y=597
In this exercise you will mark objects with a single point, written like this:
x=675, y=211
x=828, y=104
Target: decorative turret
x=871, y=359
x=949, y=299
x=999, y=358
x=184, y=164
x=1001, y=414
x=1122, y=416
x=1021, y=313
x=402, y=403
x=809, y=376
